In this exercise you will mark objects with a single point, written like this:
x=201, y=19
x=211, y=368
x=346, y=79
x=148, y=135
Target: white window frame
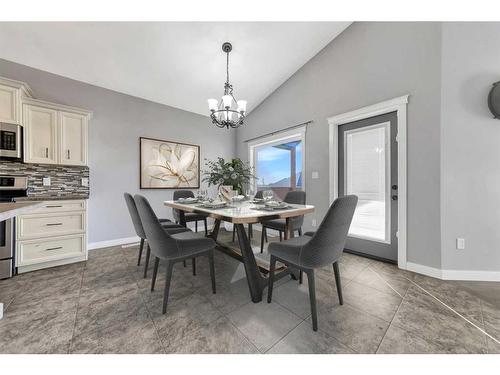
x=399, y=105
x=275, y=139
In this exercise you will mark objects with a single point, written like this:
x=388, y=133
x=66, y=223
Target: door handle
x=394, y=197
x=394, y=187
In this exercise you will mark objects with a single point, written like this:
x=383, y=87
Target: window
x=278, y=162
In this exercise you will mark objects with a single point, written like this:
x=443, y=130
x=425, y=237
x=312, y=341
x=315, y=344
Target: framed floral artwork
x=168, y=165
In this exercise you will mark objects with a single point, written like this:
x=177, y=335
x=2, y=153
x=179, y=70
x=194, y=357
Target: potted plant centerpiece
x=230, y=176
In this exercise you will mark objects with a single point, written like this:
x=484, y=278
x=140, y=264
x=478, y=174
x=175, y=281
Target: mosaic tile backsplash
x=65, y=180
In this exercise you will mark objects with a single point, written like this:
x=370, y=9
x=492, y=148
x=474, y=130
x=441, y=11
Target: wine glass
x=250, y=193
x=267, y=195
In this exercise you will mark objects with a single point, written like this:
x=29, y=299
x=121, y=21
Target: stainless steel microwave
x=10, y=141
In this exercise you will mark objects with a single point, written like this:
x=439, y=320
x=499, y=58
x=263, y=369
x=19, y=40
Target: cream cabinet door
x=9, y=104
x=73, y=136
x=40, y=140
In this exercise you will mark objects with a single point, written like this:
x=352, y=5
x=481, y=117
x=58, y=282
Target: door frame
x=398, y=105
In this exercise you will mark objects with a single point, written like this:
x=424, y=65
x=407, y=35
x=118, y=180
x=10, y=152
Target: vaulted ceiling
x=179, y=64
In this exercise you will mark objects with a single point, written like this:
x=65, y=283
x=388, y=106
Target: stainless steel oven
x=10, y=141
x=11, y=187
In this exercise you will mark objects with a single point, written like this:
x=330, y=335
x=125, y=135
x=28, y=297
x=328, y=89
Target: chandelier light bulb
x=213, y=104
x=242, y=106
x=227, y=100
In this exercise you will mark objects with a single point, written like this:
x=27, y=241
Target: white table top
x=244, y=212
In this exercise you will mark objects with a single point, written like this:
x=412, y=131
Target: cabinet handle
x=53, y=206
x=69, y=157
x=53, y=248
x=46, y=152
x=50, y=224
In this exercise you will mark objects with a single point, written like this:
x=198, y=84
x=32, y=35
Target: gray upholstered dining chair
x=139, y=230
x=188, y=216
x=172, y=248
x=294, y=197
x=319, y=249
x=258, y=195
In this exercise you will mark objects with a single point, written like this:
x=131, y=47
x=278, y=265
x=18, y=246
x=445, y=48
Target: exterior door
x=368, y=160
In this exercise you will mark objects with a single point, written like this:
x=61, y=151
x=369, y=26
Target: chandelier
x=228, y=112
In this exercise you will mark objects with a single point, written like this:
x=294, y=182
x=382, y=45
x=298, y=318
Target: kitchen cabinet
x=55, y=134
x=40, y=135
x=52, y=235
x=73, y=135
x=11, y=94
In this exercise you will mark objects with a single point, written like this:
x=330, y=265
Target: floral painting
x=169, y=165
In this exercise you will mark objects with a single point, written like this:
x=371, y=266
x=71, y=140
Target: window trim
x=277, y=138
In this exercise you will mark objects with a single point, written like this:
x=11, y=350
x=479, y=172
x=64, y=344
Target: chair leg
x=194, y=266
x=262, y=240
x=148, y=253
x=337, y=281
x=300, y=276
x=196, y=226
x=170, y=266
x=206, y=229
x=140, y=252
x=184, y=263
x=155, y=272
x=250, y=231
x=212, y=269
x=271, y=279
x=281, y=236
x=234, y=232
x=300, y=231
x=265, y=234
x=312, y=298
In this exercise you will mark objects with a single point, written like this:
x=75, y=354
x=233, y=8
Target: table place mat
x=214, y=208
x=187, y=202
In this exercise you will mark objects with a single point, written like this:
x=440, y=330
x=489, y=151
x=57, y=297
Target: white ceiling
x=180, y=64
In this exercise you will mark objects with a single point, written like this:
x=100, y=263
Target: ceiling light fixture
x=228, y=112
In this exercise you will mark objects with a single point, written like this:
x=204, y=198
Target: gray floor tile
x=372, y=301
x=303, y=340
x=358, y=330
x=118, y=339
x=423, y=316
x=183, y=316
x=264, y=324
x=398, y=341
x=493, y=346
x=218, y=337
x=391, y=283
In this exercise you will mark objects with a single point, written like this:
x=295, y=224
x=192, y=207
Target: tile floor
x=105, y=306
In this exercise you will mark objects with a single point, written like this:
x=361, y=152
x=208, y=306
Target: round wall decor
x=494, y=100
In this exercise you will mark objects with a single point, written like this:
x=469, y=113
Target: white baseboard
x=464, y=275
x=458, y=275
x=115, y=242
x=131, y=240
x=424, y=270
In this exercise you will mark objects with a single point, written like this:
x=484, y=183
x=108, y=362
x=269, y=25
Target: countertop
x=51, y=198
x=12, y=209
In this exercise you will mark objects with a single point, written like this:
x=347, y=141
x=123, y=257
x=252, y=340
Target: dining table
x=239, y=214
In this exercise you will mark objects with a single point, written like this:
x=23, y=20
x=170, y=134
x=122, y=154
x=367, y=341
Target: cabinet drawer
x=45, y=225
x=60, y=206
x=50, y=249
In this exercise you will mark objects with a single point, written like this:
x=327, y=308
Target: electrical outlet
x=85, y=181
x=46, y=181
x=460, y=244
x=314, y=223
x=315, y=175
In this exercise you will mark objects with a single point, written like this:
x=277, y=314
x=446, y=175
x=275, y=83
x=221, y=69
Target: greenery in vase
x=235, y=173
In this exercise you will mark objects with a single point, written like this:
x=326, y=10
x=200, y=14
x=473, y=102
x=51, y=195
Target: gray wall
x=119, y=120
x=470, y=147
x=366, y=64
